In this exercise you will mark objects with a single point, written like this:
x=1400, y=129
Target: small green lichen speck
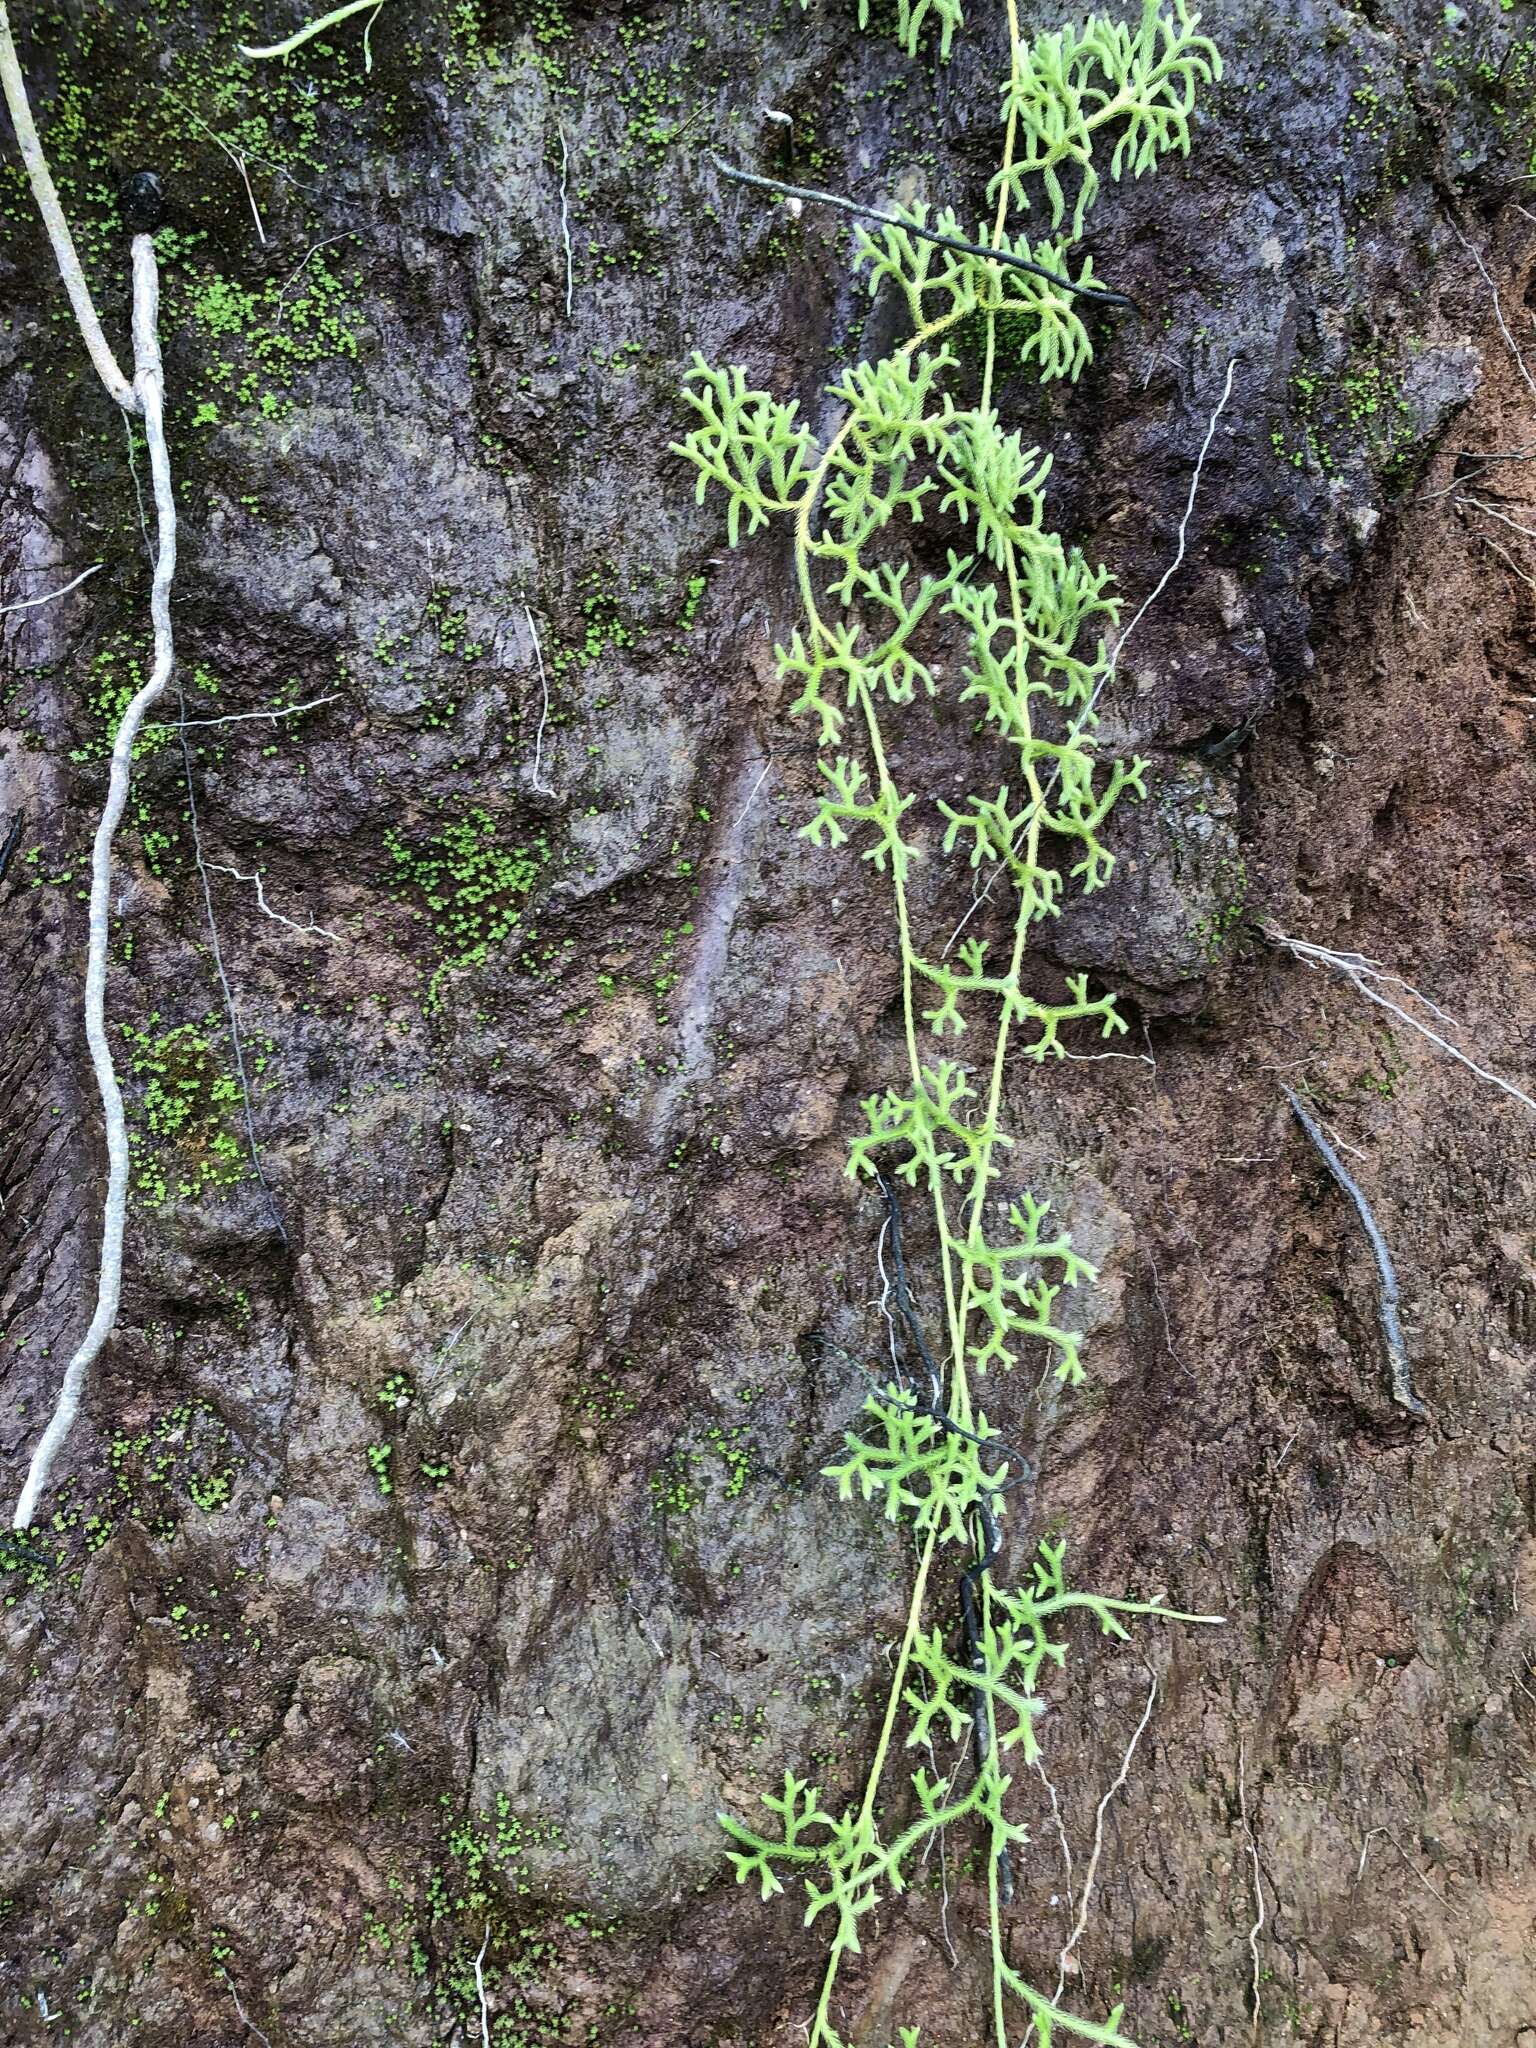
x=471, y=888
x=184, y=1112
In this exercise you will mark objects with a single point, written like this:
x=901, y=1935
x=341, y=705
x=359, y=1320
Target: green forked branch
x=919, y=436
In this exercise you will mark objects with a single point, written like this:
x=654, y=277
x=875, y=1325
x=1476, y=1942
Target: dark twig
x=1391, y=1328
x=11, y=842
x=988, y=1543
x=988, y=1538
x=1102, y=293
x=904, y=1295
x=934, y=1407
x=16, y=1550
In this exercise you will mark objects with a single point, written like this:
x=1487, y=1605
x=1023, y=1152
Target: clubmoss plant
x=1032, y=613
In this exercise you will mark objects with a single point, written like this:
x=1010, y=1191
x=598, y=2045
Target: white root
x=312, y=29
x=1368, y=978
x=538, y=744
x=145, y=397
x=1258, y=1888
x=27, y=604
x=485, y=2010
x=148, y=392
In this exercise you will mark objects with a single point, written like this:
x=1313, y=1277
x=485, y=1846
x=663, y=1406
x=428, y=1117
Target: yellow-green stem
x=957, y=1311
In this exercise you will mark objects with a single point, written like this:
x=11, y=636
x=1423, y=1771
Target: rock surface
x=445, y=1540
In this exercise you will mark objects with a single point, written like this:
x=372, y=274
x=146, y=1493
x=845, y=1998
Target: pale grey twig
x=253, y=156
x=1487, y=457
x=1387, y=1296
x=752, y=792
x=241, y=717
x=1360, y=973
x=1340, y=1144
x=1498, y=309
x=245, y=2019
x=452, y=1341
x=1061, y=1832
x=943, y=1838
x=297, y=273
x=237, y=158
x=1510, y=563
x=26, y=604
x=252, y=1148
x=1458, y=484
x=1067, y=1958
x=645, y=1627
x=304, y=930
x=1493, y=512
x=1365, y=1850
x=538, y=742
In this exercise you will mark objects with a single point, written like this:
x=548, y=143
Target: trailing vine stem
x=311, y=29
x=1030, y=614
x=144, y=398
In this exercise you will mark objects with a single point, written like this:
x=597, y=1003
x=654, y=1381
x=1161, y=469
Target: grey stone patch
x=1167, y=915
x=614, y=1726
x=1437, y=381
